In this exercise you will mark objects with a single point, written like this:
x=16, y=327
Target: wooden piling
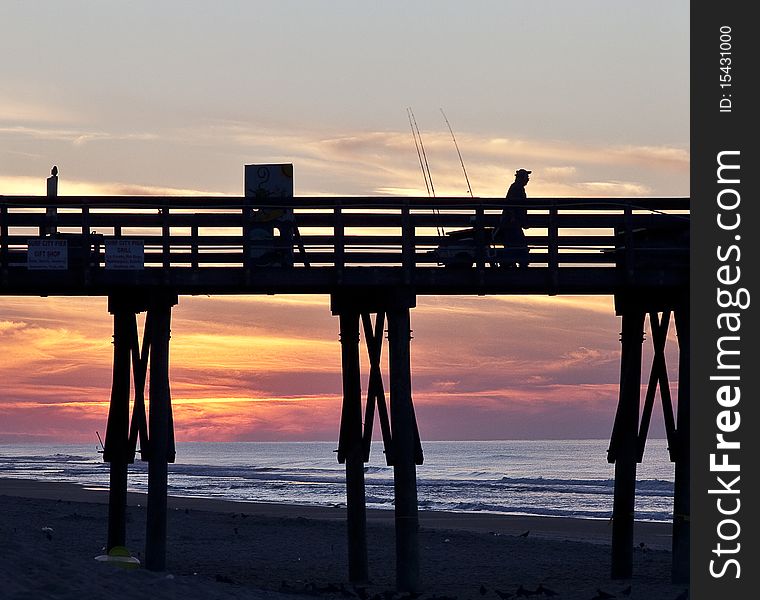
x=680, y=572
x=352, y=448
x=161, y=440
x=625, y=444
x=115, y=451
x=404, y=469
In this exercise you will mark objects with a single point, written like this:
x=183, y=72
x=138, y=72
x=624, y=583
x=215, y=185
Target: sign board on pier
x=125, y=255
x=46, y=254
x=269, y=182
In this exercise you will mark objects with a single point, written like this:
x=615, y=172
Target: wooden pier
x=373, y=257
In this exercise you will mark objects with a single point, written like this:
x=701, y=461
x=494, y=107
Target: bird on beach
x=522, y=592
x=524, y=534
x=361, y=592
x=541, y=589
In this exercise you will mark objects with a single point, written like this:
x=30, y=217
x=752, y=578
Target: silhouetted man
x=514, y=219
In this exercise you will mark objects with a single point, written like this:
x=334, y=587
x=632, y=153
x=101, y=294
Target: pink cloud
x=269, y=367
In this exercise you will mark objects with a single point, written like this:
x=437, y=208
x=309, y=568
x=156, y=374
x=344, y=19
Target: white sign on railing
x=47, y=255
x=125, y=255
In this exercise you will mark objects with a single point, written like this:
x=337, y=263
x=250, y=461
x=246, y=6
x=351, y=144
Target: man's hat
x=522, y=172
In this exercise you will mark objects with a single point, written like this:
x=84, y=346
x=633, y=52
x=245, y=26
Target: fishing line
x=416, y=145
x=467, y=179
x=439, y=230
x=419, y=135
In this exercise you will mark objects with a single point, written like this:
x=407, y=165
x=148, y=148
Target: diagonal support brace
x=375, y=390
x=658, y=377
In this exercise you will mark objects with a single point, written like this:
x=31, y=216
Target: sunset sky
x=174, y=97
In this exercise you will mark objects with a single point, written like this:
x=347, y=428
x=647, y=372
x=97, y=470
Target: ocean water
x=536, y=477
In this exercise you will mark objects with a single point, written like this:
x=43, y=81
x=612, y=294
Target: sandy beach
x=51, y=532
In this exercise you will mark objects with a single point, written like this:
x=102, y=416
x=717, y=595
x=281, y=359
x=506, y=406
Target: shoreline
x=653, y=534
x=50, y=534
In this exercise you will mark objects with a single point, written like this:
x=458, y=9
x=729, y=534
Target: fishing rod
x=416, y=145
x=467, y=179
x=419, y=135
x=439, y=230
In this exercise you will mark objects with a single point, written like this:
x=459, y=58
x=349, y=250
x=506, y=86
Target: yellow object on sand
x=119, y=556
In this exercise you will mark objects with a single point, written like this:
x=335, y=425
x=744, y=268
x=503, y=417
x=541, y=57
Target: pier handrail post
x=339, y=248
x=629, y=241
x=553, y=249
x=194, y=247
x=407, y=243
x=86, y=243
x=51, y=211
x=480, y=243
x=247, y=222
x=4, y=240
x=166, y=247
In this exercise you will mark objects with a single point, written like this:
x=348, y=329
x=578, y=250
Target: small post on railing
x=166, y=239
x=247, y=225
x=194, y=241
x=4, y=254
x=628, y=237
x=86, y=243
x=480, y=244
x=553, y=249
x=339, y=244
x=51, y=212
x=407, y=243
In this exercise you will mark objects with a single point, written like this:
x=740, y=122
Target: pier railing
x=206, y=244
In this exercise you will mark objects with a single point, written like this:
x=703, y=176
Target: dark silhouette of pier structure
x=373, y=256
